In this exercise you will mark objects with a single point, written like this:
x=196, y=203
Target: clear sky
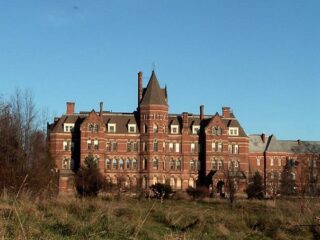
x=260, y=57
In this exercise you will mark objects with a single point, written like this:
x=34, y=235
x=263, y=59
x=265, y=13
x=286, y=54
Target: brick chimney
x=263, y=137
x=185, y=120
x=101, y=109
x=139, y=87
x=226, y=112
x=70, y=108
x=201, y=112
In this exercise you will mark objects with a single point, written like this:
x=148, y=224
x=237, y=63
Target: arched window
x=155, y=128
x=293, y=176
x=171, y=164
x=154, y=180
x=179, y=183
x=128, y=163
x=134, y=181
x=172, y=182
x=145, y=128
x=144, y=164
x=191, y=182
x=108, y=164
x=178, y=165
x=144, y=182
x=114, y=180
x=220, y=164
x=135, y=164
x=155, y=163
x=114, y=164
x=121, y=163
x=155, y=145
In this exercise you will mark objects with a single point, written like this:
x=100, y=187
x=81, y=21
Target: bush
x=198, y=193
x=256, y=189
x=88, y=180
x=160, y=190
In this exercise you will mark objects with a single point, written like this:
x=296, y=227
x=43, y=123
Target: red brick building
x=151, y=145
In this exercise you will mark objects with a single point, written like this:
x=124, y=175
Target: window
x=293, y=176
x=172, y=182
x=135, y=147
x=191, y=182
x=258, y=162
x=179, y=185
x=144, y=146
x=66, y=163
x=219, y=147
x=214, y=147
x=96, y=144
x=174, y=129
x=121, y=163
x=144, y=164
x=89, y=144
x=192, y=165
x=66, y=145
x=171, y=164
x=111, y=127
x=93, y=127
x=135, y=164
x=236, y=149
x=271, y=162
x=279, y=162
x=155, y=164
x=131, y=128
x=145, y=128
x=129, y=144
x=154, y=180
x=68, y=127
x=230, y=149
x=114, y=146
x=178, y=165
x=114, y=164
x=236, y=164
x=216, y=130
x=193, y=147
x=214, y=164
x=155, y=146
x=195, y=129
x=233, y=131
x=220, y=164
x=155, y=128
x=108, y=164
x=170, y=147
x=108, y=147
x=177, y=147
x=128, y=163
x=163, y=163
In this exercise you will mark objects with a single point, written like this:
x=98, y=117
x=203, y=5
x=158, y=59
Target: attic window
x=93, y=127
x=111, y=127
x=174, y=129
x=216, y=130
x=233, y=131
x=68, y=127
x=131, y=128
x=195, y=129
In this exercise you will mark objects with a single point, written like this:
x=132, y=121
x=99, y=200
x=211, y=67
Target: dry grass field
x=133, y=218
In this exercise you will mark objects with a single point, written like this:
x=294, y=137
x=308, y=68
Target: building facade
x=151, y=145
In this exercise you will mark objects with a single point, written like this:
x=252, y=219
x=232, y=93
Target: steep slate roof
x=153, y=94
x=272, y=144
x=233, y=122
x=121, y=120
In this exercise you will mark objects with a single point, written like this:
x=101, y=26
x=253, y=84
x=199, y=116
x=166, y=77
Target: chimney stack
x=201, y=112
x=263, y=137
x=139, y=87
x=185, y=120
x=70, y=108
x=226, y=112
x=101, y=109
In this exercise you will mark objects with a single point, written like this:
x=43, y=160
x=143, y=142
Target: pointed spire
x=153, y=93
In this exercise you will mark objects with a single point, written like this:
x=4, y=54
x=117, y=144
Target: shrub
x=198, y=193
x=160, y=190
x=255, y=189
x=88, y=180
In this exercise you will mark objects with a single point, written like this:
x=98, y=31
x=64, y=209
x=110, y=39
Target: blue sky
x=260, y=57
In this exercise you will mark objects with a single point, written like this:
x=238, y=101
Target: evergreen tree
x=256, y=189
x=88, y=180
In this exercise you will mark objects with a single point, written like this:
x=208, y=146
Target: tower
x=153, y=112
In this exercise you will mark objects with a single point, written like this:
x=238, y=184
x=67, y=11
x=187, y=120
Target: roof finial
x=153, y=66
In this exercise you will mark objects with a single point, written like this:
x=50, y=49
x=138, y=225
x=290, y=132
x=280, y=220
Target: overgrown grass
x=130, y=218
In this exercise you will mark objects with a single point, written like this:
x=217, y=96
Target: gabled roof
x=153, y=94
